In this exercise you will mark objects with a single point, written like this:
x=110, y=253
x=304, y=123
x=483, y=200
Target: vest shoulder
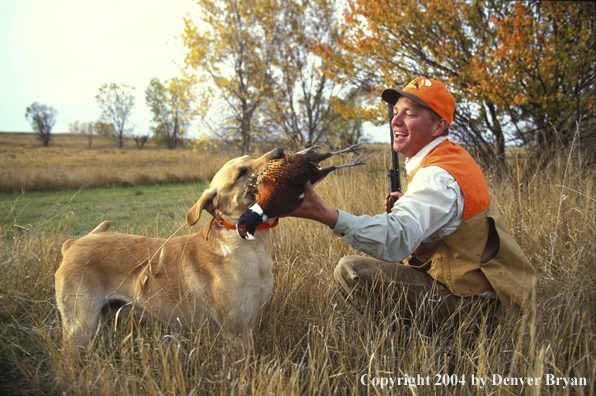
x=459, y=163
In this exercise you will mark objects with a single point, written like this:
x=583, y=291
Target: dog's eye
x=241, y=173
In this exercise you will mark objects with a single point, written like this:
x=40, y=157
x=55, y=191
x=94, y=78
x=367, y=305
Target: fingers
x=390, y=199
x=388, y=203
x=305, y=202
x=394, y=195
x=308, y=187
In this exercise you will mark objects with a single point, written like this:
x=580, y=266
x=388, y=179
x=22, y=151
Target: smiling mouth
x=397, y=134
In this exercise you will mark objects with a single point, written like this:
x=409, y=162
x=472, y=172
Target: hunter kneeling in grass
x=441, y=251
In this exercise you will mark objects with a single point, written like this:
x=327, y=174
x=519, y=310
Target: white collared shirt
x=431, y=209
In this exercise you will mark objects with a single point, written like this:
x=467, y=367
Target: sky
x=59, y=53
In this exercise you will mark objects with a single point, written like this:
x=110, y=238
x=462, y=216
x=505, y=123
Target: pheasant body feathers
x=279, y=189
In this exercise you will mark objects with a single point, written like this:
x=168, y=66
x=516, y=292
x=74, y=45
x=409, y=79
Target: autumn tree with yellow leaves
x=231, y=49
x=172, y=105
x=116, y=102
x=305, y=107
x=253, y=61
x=520, y=71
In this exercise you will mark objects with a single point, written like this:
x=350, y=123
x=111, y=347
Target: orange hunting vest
x=460, y=164
x=479, y=255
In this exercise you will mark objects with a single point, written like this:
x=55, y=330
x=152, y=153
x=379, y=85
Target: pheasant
x=279, y=189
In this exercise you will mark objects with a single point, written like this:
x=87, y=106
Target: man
x=442, y=247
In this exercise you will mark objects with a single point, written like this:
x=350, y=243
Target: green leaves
x=42, y=119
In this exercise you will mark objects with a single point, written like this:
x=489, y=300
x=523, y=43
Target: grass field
x=308, y=341
x=69, y=164
x=82, y=210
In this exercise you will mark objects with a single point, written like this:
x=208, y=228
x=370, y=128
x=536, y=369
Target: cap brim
x=391, y=96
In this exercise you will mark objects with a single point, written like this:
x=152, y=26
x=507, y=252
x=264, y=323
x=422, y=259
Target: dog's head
x=226, y=196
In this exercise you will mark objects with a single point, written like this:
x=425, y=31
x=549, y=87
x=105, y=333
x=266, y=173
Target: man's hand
x=313, y=208
x=390, y=200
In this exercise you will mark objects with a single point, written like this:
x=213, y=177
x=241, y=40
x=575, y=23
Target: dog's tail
x=100, y=228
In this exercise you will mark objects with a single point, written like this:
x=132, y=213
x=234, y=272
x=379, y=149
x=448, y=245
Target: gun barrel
x=393, y=174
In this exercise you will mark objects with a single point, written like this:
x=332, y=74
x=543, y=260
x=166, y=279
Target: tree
x=172, y=107
x=104, y=129
x=303, y=107
x=116, y=103
x=42, y=119
x=255, y=58
x=85, y=128
x=544, y=68
x=232, y=50
x=140, y=140
x=349, y=128
x=494, y=56
x=74, y=127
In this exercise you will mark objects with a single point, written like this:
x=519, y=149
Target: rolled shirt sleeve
x=431, y=209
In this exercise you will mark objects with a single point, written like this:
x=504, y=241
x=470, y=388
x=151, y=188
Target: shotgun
x=393, y=173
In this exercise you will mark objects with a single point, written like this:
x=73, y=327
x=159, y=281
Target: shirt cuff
x=342, y=227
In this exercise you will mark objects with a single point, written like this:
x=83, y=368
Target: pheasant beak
x=243, y=232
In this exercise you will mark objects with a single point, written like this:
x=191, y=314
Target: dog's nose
x=278, y=153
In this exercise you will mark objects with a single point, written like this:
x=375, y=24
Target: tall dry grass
x=44, y=169
x=70, y=164
x=308, y=341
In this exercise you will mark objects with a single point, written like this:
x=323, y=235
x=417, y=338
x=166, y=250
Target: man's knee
x=344, y=271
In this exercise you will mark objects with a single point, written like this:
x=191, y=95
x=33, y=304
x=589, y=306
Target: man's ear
x=440, y=127
x=206, y=202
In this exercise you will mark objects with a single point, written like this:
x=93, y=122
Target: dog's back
x=104, y=226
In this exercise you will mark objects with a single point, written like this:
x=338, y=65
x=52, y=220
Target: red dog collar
x=262, y=226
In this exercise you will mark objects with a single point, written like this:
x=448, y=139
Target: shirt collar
x=413, y=163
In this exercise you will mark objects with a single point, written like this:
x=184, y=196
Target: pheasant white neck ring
x=249, y=222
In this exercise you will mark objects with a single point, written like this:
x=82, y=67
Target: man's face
x=412, y=127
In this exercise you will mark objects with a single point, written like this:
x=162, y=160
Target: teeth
x=400, y=134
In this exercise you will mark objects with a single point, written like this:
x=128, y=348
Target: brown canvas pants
x=383, y=288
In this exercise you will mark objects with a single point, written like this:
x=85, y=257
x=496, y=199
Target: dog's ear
x=207, y=202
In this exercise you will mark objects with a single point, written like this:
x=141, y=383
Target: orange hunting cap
x=426, y=92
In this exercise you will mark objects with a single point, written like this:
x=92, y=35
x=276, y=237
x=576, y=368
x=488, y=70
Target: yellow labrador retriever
x=178, y=279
